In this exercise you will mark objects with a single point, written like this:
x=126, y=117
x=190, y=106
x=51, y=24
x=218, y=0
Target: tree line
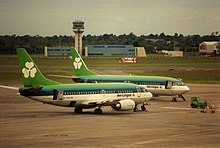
x=152, y=42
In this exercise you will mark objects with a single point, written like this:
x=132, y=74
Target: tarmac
x=27, y=123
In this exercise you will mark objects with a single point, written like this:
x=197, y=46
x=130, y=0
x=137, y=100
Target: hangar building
x=208, y=47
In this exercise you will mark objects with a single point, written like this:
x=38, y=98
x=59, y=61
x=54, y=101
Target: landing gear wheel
x=78, y=110
x=98, y=111
x=135, y=109
x=193, y=105
x=174, y=100
x=143, y=108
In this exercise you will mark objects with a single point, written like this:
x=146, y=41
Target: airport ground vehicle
x=206, y=105
x=197, y=102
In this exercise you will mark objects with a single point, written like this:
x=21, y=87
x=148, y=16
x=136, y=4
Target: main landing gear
x=78, y=110
x=143, y=108
x=98, y=111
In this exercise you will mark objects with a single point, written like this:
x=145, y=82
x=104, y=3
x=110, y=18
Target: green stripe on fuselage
x=48, y=90
x=123, y=78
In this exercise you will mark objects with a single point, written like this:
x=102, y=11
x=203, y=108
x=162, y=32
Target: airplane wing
x=108, y=102
x=9, y=87
x=102, y=102
x=62, y=76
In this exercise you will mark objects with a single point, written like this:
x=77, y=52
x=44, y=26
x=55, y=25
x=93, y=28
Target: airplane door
x=57, y=94
x=60, y=95
x=138, y=91
x=168, y=85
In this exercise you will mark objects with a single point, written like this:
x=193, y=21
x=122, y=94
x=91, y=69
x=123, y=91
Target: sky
x=142, y=17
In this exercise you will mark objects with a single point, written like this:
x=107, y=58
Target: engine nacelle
x=124, y=105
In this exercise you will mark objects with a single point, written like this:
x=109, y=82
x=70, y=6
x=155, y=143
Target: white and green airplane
x=157, y=85
x=119, y=96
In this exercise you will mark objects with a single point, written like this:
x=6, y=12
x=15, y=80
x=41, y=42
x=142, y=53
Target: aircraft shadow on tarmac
x=61, y=114
x=157, y=99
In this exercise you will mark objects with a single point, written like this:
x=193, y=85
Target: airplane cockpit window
x=180, y=83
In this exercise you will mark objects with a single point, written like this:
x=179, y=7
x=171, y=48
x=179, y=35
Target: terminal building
x=115, y=50
x=56, y=51
x=110, y=50
x=100, y=50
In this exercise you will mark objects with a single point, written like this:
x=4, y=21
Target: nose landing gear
x=178, y=96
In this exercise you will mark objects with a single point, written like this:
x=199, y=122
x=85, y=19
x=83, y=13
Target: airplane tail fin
x=80, y=68
x=31, y=75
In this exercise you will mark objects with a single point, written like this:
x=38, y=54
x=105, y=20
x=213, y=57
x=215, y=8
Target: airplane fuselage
x=87, y=95
x=157, y=85
x=120, y=96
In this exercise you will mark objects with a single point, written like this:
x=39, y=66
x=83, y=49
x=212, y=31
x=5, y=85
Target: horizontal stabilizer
x=9, y=87
x=62, y=76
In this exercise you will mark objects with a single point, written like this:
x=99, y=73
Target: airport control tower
x=78, y=29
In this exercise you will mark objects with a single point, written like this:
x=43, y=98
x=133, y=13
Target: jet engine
x=124, y=105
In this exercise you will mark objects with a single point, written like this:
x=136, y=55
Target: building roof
x=209, y=43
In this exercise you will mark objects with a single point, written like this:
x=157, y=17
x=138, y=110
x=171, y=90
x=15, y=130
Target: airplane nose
x=186, y=88
x=150, y=95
